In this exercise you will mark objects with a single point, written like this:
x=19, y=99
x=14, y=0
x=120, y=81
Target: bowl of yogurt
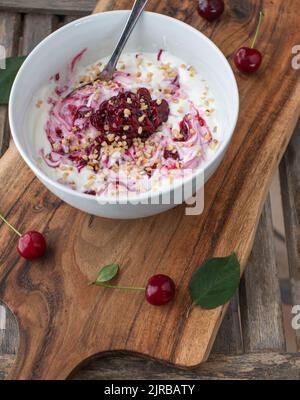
x=130, y=147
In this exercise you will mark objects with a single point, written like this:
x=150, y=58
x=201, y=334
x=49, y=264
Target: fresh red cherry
x=211, y=9
x=249, y=59
x=160, y=290
x=31, y=245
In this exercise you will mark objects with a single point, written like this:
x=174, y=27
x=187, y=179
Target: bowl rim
x=137, y=198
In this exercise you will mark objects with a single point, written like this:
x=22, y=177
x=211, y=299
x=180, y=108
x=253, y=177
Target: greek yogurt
x=155, y=121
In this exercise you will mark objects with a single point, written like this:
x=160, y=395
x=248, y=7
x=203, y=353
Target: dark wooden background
x=251, y=342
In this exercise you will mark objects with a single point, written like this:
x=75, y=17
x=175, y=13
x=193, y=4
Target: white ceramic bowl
x=99, y=33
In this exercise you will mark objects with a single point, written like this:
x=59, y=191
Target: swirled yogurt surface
x=154, y=121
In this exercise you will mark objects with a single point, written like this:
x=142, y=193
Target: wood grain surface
x=262, y=314
x=290, y=181
x=69, y=7
x=62, y=321
x=255, y=366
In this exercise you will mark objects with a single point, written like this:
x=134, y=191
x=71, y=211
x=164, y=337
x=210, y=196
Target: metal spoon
x=108, y=71
x=137, y=9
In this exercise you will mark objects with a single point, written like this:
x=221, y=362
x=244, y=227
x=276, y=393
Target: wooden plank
x=290, y=183
x=106, y=321
x=230, y=339
x=261, y=312
x=58, y=7
x=269, y=366
x=10, y=25
x=6, y=363
x=69, y=18
x=36, y=28
x=260, y=366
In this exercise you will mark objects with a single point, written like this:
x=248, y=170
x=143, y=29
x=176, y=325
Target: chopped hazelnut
x=127, y=112
x=213, y=144
x=56, y=146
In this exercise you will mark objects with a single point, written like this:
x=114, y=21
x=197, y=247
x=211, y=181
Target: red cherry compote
x=130, y=115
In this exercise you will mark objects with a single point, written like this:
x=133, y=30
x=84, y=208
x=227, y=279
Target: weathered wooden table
x=251, y=343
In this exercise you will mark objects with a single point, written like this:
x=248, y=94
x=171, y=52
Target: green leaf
x=7, y=77
x=107, y=273
x=215, y=282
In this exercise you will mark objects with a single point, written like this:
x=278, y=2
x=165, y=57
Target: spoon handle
x=135, y=14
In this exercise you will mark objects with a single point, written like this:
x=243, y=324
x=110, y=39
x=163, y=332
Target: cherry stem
x=13, y=228
x=117, y=286
x=261, y=16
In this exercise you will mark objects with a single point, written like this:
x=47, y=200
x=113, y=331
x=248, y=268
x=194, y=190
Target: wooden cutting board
x=63, y=321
